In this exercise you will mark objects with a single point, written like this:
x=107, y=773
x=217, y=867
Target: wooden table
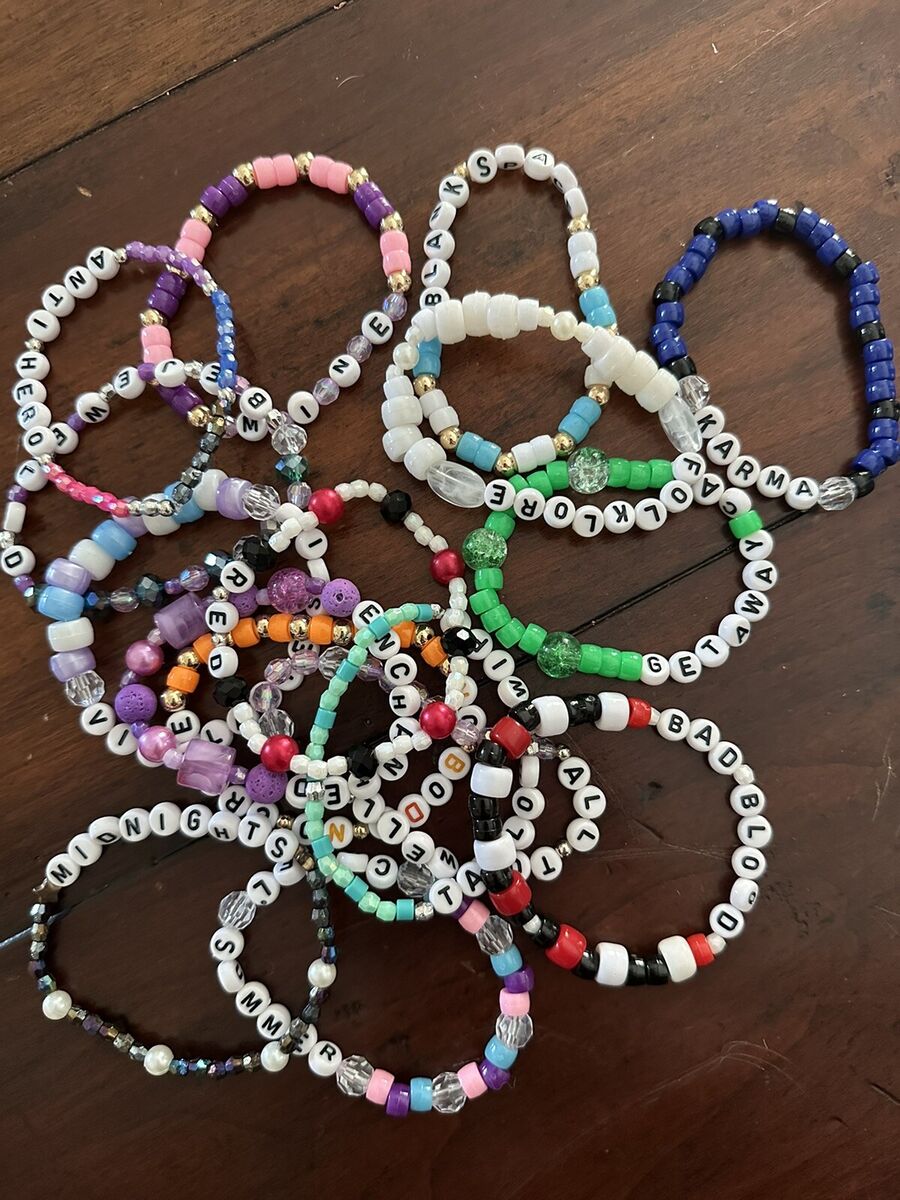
x=775, y=1073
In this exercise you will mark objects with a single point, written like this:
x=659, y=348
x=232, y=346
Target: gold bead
x=189, y=658
x=506, y=464
x=444, y=667
x=461, y=170
x=342, y=633
x=393, y=221
x=151, y=317
x=588, y=279
x=599, y=393
x=302, y=162
x=198, y=416
x=563, y=444
x=172, y=700
x=356, y=177
x=243, y=173
x=614, y=328
x=298, y=628
x=423, y=635
x=423, y=384
x=307, y=863
x=399, y=281
x=201, y=213
x=216, y=423
x=222, y=639
x=578, y=224
x=284, y=822
x=360, y=832
x=449, y=437
x=262, y=627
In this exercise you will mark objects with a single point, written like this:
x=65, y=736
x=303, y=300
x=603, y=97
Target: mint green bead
x=319, y=737
x=314, y=810
x=541, y=481
x=337, y=687
x=631, y=665
x=328, y=864
x=410, y=612
x=495, y=618
x=314, y=829
x=364, y=639
x=480, y=602
x=342, y=877
x=488, y=577
x=315, y=751
x=369, y=902
x=558, y=474
x=619, y=470
x=502, y=523
x=393, y=616
x=484, y=548
x=357, y=654
x=509, y=634
x=329, y=701
x=386, y=910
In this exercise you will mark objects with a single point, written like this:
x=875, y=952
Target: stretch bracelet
x=724, y=448
x=63, y=869
x=677, y=958
x=216, y=201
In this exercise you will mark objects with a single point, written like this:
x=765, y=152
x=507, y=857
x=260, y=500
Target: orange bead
x=433, y=652
x=280, y=627
x=244, y=633
x=203, y=647
x=321, y=629
x=183, y=679
x=405, y=631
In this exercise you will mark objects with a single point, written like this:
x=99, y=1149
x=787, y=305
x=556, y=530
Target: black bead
x=589, y=963
x=666, y=290
x=547, y=934
x=637, y=971
x=864, y=482
x=231, y=691
x=712, y=227
x=325, y=934
x=256, y=552
x=581, y=708
x=497, y=881
x=785, y=220
x=310, y=1013
x=527, y=914
x=459, y=641
x=150, y=590
x=483, y=808
x=870, y=332
x=316, y=879
x=526, y=714
x=215, y=561
x=362, y=762
x=846, y=263
x=395, y=506
x=885, y=410
x=181, y=493
x=209, y=442
x=487, y=829
x=491, y=754
x=319, y=896
x=657, y=971
x=680, y=367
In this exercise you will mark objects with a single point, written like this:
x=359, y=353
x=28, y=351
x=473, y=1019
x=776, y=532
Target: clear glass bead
x=276, y=723
x=413, y=879
x=194, y=578
x=447, y=1095
x=456, y=484
x=299, y=494
x=330, y=660
x=546, y=751
x=123, y=600
x=394, y=305
x=360, y=348
x=680, y=425
x=289, y=439
x=694, y=392
x=260, y=500
x=236, y=910
x=264, y=696
x=305, y=662
x=837, y=493
x=514, y=1031
x=371, y=671
x=353, y=1075
x=325, y=390
x=279, y=670
x=494, y=936
x=85, y=689
x=467, y=735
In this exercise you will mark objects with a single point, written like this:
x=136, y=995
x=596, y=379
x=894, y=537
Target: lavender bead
x=229, y=498
x=17, y=494
x=397, y=1103
x=340, y=597
x=65, y=574
x=265, y=786
x=181, y=399
x=133, y=525
x=182, y=621
x=136, y=702
x=217, y=202
x=146, y=371
x=287, y=590
x=495, y=1077
x=193, y=578
x=394, y=305
x=245, y=602
x=206, y=766
x=70, y=663
x=75, y=422
x=326, y=391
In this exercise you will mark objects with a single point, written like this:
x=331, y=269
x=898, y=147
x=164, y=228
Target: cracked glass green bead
x=483, y=548
x=559, y=656
x=588, y=470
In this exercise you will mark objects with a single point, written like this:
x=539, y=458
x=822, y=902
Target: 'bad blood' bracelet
x=724, y=448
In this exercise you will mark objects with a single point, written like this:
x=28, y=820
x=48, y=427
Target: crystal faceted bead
x=236, y=910
x=292, y=467
x=559, y=656
x=330, y=660
x=836, y=493
x=353, y=1075
x=305, y=662
x=483, y=548
x=694, y=391
x=371, y=671
x=150, y=590
x=289, y=439
x=680, y=425
x=413, y=879
x=123, y=600
x=276, y=723
x=588, y=470
x=264, y=697
x=546, y=750
x=394, y=306
x=447, y=1095
x=85, y=689
x=299, y=494
x=514, y=1031
x=360, y=348
x=194, y=578
x=466, y=735
x=456, y=484
x=278, y=671
x=260, y=500
x=494, y=936
x=256, y=552
x=325, y=390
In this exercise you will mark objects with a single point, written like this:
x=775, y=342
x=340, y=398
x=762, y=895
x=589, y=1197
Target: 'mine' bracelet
x=724, y=448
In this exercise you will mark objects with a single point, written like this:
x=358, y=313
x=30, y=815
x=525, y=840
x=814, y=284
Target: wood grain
x=773, y=1074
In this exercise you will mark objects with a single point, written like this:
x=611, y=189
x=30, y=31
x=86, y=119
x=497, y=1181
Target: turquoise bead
x=504, y=964
x=356, y=889
x=429, y=358
x=603, y=315
x=114, y=540
x=424, y=613
x=586, y=408
x=486, y=458
x=420, y=1094
x=346, y=672
x=321, y=846
x=315, y=828
x=576, y=427
x=324, y=719
x=318, y=737
x=380, y=627
x=468, y=446
x=593, y=298
x=59, y=604
x=315, y=750
x=500, y=1054
x=406, y=910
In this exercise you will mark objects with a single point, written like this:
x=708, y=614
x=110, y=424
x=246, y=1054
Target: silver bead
x=120, y=256
x=7, y=540
x=149, y=507
x=107, y=391
x=168, y=508
x=193, y=369
x=564, y=752
x=34, y=344
x=424, y=910
x=220, y=593
x=563, y=849
x=837, y=493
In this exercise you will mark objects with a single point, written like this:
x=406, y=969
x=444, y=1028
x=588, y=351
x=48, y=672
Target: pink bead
x=379, y=1086
x=397, y=260
x=196, y=231
x=472, y=1083
x=155, y=335
x=285, y=170
x=155, y=741
x=318, y=170
x=338, y=174
x=393, y=239
x=190, y=249
x=515, y=1004
x=143, y=657
x=264, y=170
x=474, y=917
x=158, y=353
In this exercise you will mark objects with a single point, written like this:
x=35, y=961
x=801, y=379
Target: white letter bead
x=676, y=496
x=757, y=545
x=482, y=167
x=760, y=575
x=510, y=156
x=614, y=711
x=773, y=481
x=554, y=716
x=559, y=512
x=734, y=629
x=654, y=669
x=495, y=855
x=575, y=202
x=454, y=189
x=726, y=920
x=588, y=520
x=754, y=831
x=802, y=493
x=673, y=725
x=539, y=164
x=744, y=894
x=748, y=864
x=491, y=781
x=678, y=957
x=613, y=968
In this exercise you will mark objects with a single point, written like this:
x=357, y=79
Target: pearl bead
x=321, y=974
x=158, y=1059
x=56, y=1005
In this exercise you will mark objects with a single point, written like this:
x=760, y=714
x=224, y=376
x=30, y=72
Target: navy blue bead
x=866, y=272
x=680, y=275
x=888, y=448
x=831, y=250
x=730, y=221
x=883, y=428
x=883, y=389
x=695, y=263
x=822, y=232
x=879, y=350
x=863, y=315
x=671, y=313
x=807, y=220
x=880, y=370
x=703, y=244
x=750, y=222
x=662, y=332
x=768, y=211
x=866, y=293
x=869, y=460
x=666, y=351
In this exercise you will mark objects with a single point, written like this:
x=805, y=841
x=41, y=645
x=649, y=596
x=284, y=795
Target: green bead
x=318, y=737
x=483, y=548
x=369, y=902
x=638, y=476
x=532, y=639
x=480, y=602
x=495, y=618
x=342, y=877
x=559, y=656
x=487, y=578
x=292, y=467
x=609, y=662
x=357, y=655
x=518, y=482
x=661, y=473
x=328, y=864
x=314, y=751
x=591, y=659
x=329, y=702
x=314, y=810
x=558, y=474
x=510, y=634
x=630, y=666
x=746, y=524
x=589, y=470
x=502, y=523
x=386, y=910
x=541, y=481
x=619, y=470
x=336, y=686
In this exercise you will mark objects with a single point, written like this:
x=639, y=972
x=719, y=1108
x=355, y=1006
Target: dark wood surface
x=775, y=1073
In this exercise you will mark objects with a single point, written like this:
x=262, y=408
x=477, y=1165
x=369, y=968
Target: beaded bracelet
x=377, y=326
x=677, y=958
x=135, y=825
x=724, y=448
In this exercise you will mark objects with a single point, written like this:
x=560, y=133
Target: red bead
x=512, y=899
x=327, y=505
x=639, y=713
x=438, y=719
x=447, y=565
x=700, y=948
x=568, y=948
x=277, y=752
x=513, y=737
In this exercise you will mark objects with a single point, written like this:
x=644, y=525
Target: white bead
x=510, y=156
x=613, y=968
x=454, y=763
x=734, y=629
x=454, y=189
x=744, y=894
x=491, y=781
x=758, y=545
x=14, y=516
x=673, y=725
x=417, y=846
x=748, y=863
x=563, y=327
x=495, y=855
x=401, y=410
x=57, y=300
x=70, y=635
x=711, y=421
x=62, y=870
x=159, y=526
x=656, y=394
x=529, y=504
x=391, y=827
x=97, y=719
x=733, y=502
x=503, y=317
x=446, y=896
x=324, y=1059
x=475, y=313
x=575, y=202
x=553, y=714
x=435, y=276
x=723, y=448
x=637, y=374
x=30, y=476
x=398, y=440
x=344, y=370
x=588, y=520
x=230, y=976
x=84, y=850
x=39, y=441
x=539, y=164
x=35, y=413
x=170, y=373
x=381, y=872
x=747, y=798
x=712, y=650
x=28, y=390
x=559, y=512
x=752, y=605
x=499, y=495
x=546, y=864
x=650, y=514
x=743, y=471
x=573, y=773
x=134, y=825
x=544, y=449
x=42, y=325
x=195, y=820
x=614, y=712
x=32, y=365
x=703, y=735
x=521, y=831
x=422, y=456
x=587, y=260
x=708, y=490
x=222, y=662
x=676, y=496
x=102, y=263
x=802, y=493
x=255, y=402
x=618, y=516
x=226, y=944
x=272, y=1058
x=429, y=298
x=321, y=974
x=754, y=831
x=527, y=313
x=482, y=167
x=91, y=407
x=303, y=407
x=221, y=616
x=582, y=834
x=678, y=957
x=773, y=481
x=564, y=178
x=17, y=560
x=759, y=576
x=498, y=664
x=105, y=830
x=56, y=1005
x=205, y=491
x=512, y=691
x=688, y=468
x=727, y=921
x=252, y=999
x=589, y=801
x=442, y=217
x=440, y=243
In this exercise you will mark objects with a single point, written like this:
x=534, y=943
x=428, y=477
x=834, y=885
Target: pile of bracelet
x=330, y=801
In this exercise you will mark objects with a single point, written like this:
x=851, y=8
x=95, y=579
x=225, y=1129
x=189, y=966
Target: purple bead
x=23, y=582
x=65, y=574
x=230, y=498
x=17, y=494
x=377, y=211
x=194, y=578
x=360, y=348
x=326, y=391
x=217, y=202
x=245, y=602
x=265, y=786
x=340, y=597
x=237, y=776
x=394, y=306
x=91, y=1023
x=138, y=728
x=155, y=742
x=174, y=284
x=182, y=621
x=397, y=1103
x=136, y=702
x=206, y=766
x=233, y=190
x=146, y=371
x=163, y=302
x=70, y=663
x=173, y=587
x=520, y=981
x=365, y=194
x=495, y=1077
x=287, y=590
x=181, y=399
x=75, y=422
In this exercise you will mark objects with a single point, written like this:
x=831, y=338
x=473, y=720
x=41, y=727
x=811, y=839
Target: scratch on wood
x=881, y=789
x=85, y=192
x=776, y=34
x=347, y=79
x=882, y=1091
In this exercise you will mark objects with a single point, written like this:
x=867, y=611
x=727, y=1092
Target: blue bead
x=704, y=245
x=595, y=297
x=695, y=263
x=575, y=427
x=586, y=408
x=884, y=389
x=486, y=456
x=880, y=370
x=869, y=460
x=603, y=315
x=680, y=275
x=420, y=1092
x=321, y=846
x=831, y=250
x=884, y=427
x=662, y=333
x=468, y=446
x=356, y=889
x=59, y=604
x=347, y=671
x=500, y=1054
x=768, y=211
x=425, y=614
x=866, y=272
x=324, y=718
x=115, y=540
x=881, y=350
x=864, y=314
x=866, y=293
x=189, y=512
x=379, y=626
x=406, y=910
x=428, y=364
x=670, y=313
x=807, y=220
x=750, y=222
x=822, y=232
x=505, y=963
x=730, y=222
x=888, y=448
x=673, y=348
